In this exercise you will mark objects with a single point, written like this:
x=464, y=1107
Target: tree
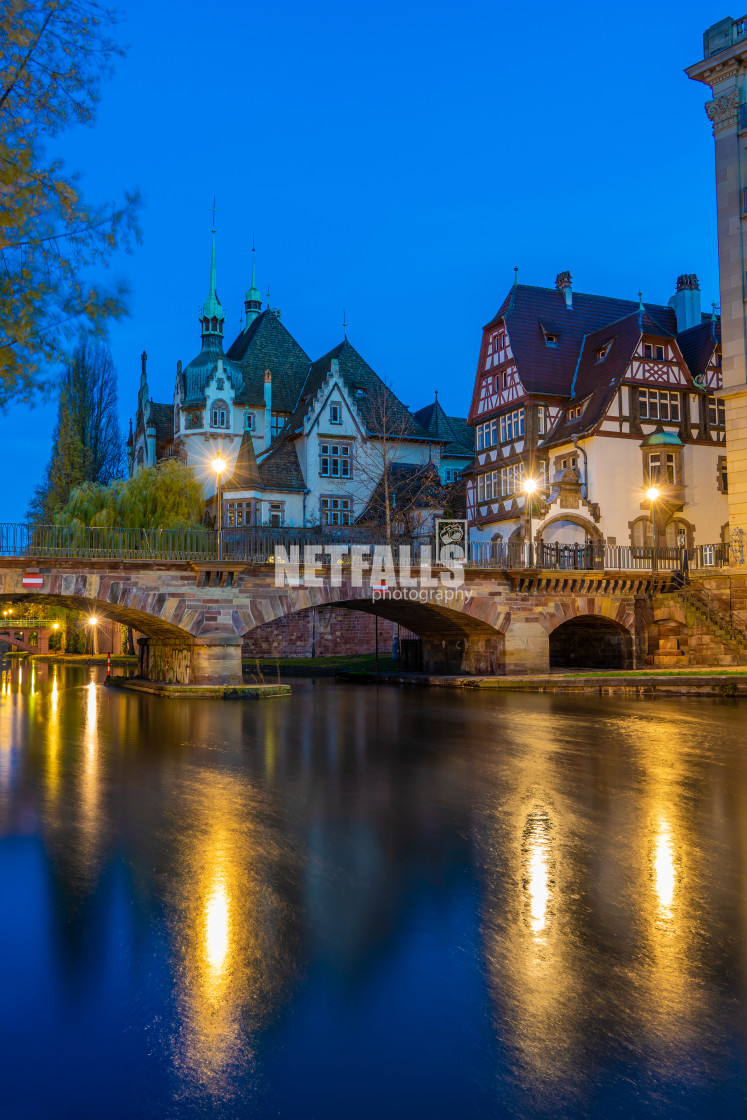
x=53, y=57
x=87, y=443
x=401, y=493
x=167, y=496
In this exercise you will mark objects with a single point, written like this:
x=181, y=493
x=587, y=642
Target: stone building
x=305, y=442
x=597, y=399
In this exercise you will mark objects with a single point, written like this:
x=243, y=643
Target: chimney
x=268, y=408
x=563, y=284
x=686, y=301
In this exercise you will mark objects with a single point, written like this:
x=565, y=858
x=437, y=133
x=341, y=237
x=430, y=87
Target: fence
x=258, y=545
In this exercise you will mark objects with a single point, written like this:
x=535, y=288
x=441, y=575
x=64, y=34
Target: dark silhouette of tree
x=53, y=57
x=87, y=444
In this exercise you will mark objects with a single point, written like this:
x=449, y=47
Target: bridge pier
x=473, y=656
x=212, y=660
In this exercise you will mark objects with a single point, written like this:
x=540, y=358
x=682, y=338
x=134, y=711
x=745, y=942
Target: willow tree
x=54, y=55
x=167, y=496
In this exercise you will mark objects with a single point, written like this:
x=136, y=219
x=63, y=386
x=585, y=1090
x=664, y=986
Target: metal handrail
x=260, y=544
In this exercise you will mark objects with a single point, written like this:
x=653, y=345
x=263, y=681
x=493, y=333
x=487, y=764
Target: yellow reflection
x=538, y=879
x=216, y=928
x=91, y=707
x=55, y=694
x=664, y=871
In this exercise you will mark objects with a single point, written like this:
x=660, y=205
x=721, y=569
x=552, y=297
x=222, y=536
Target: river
x=366, y=902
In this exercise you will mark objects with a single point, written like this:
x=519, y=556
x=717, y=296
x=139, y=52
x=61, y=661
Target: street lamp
x=653, y=494
x=530, y=485
x=219, y=465
x=93, y=623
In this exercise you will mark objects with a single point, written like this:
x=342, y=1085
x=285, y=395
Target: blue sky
x=396, y=160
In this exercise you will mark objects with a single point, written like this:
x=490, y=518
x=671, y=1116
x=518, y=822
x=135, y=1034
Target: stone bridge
x=193, y=615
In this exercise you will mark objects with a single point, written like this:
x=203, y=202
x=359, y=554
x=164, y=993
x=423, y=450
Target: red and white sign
x=379, y=586
x=33, y=581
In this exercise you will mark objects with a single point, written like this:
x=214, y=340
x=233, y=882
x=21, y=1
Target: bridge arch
x=591, y=641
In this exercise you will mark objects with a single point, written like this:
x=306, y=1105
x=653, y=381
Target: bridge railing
x=82, y=542
x=259, y=545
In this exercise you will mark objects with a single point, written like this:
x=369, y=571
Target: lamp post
x=219, y=465
x=530, y=485
x=652, y=494
x=93, y=623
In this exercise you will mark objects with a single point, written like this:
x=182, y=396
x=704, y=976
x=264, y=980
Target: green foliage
x=87, y=443
x=167, y=496
x=53, y=56
x=55, y=641
x=76, y=640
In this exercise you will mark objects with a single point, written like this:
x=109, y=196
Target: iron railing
x=260, y=545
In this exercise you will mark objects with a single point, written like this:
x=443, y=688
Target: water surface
x=367, y=902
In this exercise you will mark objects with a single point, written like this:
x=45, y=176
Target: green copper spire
x=213, y=316
x=253, y=297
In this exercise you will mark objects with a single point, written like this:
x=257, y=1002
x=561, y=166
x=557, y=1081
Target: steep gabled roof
x=162, y=415
x=267, y=344
x=365, y=387
x=458, y=436
x=698, y=344
x=246, y=474
x=281, y=470
x=595, y=382
x=549, y=369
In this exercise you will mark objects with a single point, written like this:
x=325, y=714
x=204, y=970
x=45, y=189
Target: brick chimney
x=686, y=301
x=563, y=284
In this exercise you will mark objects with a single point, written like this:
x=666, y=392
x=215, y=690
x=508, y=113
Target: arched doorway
x=591, y=642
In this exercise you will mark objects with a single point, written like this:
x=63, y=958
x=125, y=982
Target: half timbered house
x=597, y=399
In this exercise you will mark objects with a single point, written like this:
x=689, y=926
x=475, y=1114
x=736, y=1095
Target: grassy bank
x=317, y=666
x=82, y=658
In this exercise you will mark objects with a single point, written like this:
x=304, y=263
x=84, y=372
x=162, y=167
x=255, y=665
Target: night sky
x=396, y=160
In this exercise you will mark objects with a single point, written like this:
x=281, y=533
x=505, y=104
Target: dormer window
x=659, y=351
x=551, y=339
x=575, y=412
x=603, y=351
x=335, y=414
x=360, y=391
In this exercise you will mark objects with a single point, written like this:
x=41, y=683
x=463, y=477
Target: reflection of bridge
x=193, y=609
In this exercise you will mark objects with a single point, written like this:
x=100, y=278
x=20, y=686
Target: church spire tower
x=723, y=69
x=253, y=297
x=212, y=316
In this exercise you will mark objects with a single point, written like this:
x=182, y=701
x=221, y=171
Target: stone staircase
x=711, y=637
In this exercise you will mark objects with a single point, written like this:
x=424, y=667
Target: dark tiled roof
x=375, y=400
x=459, y=437
x=162, y=415
x=267, y=344
x=281, y=469
x=246, y=472
x=411, y=486
x=698, y=343
x=198, y=372
x=549, y=369
x=596, y=382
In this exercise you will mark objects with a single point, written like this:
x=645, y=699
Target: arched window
x=219, y=415
x=642, y=533
x=677, y=535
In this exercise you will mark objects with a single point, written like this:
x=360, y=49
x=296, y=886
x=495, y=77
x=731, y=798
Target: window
x=660, y=353
x=487, y=434
x=336, y=511
x=505, y=379
x=449, y=474
x=541, y=420
x=512, y=479
x=722, y=480
x=551, y=339
x=277, y=424
x=334, y=460
x=574, y=413
x=568, y=463
x=250, y=422
x=512, y=425
x=335, y=414
x=275, y=514
x=488, y=486
x=661, y=467
x=648, y=350
x=219, y=415
x=659, y=404
x=603, y=351
x=240, y=513
x=716, y=412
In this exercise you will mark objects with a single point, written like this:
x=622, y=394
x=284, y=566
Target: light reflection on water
x=370, y=902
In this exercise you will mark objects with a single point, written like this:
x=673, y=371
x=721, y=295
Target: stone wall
x=326, y=632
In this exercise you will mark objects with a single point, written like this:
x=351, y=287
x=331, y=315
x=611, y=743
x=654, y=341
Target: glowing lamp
x=652, y=493
x=530, y=485
x=219, y=464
